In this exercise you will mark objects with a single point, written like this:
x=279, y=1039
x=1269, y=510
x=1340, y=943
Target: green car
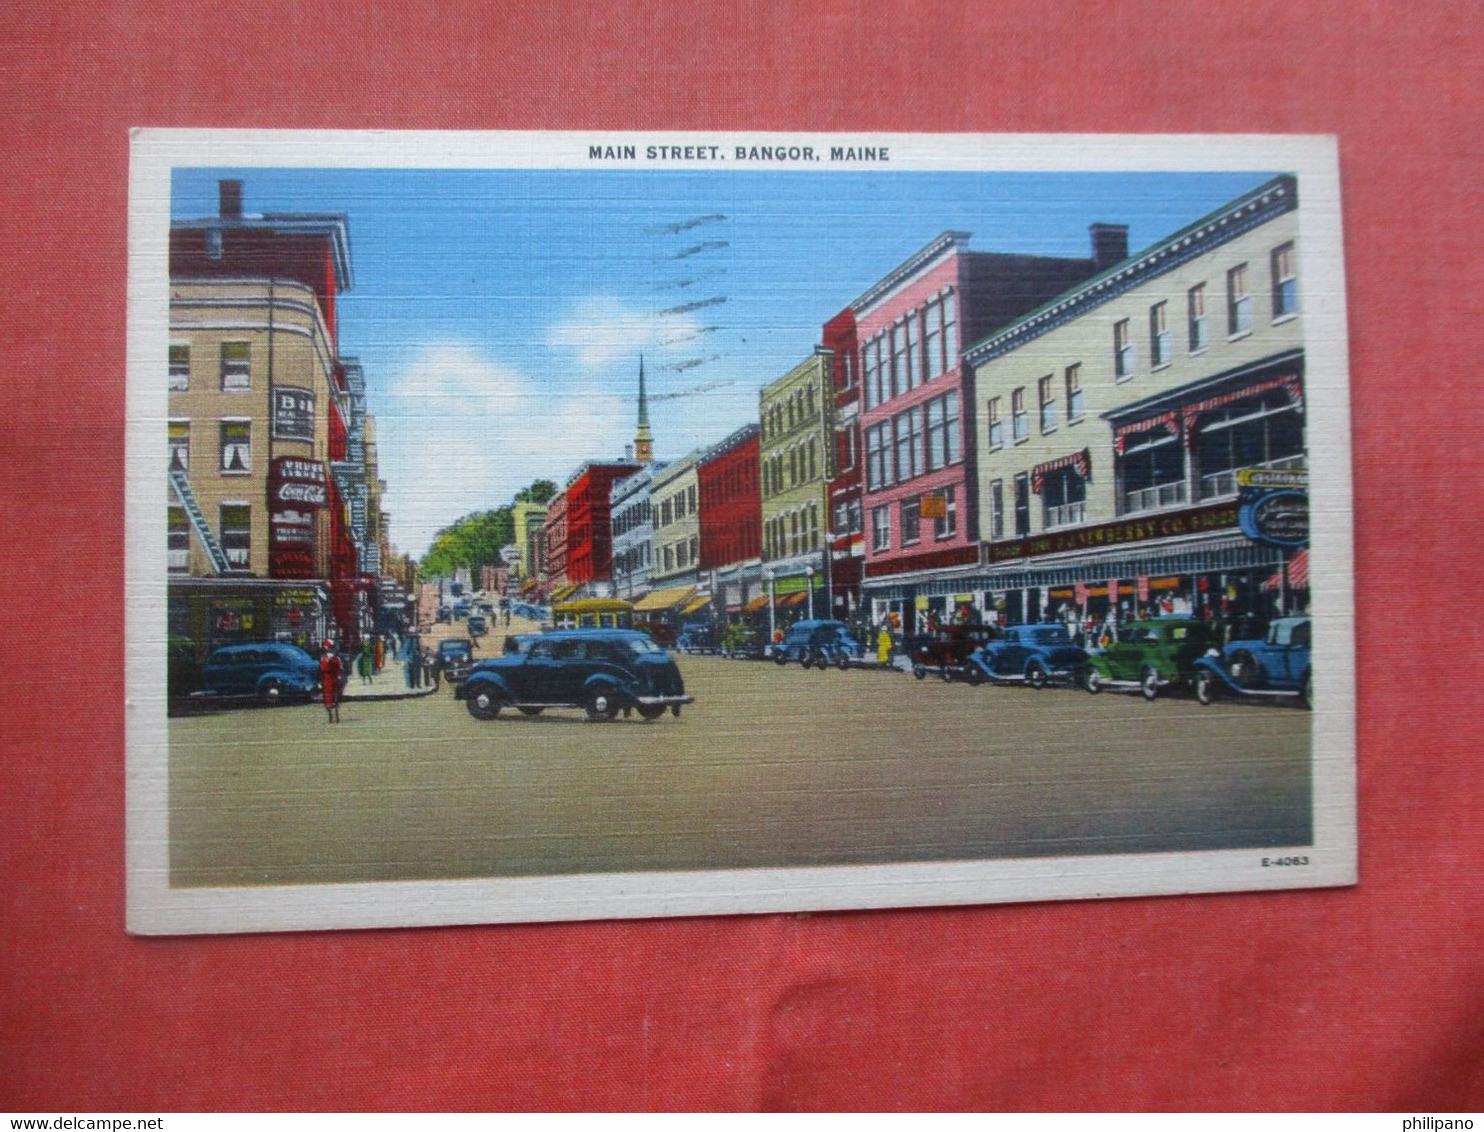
x=1148, y=655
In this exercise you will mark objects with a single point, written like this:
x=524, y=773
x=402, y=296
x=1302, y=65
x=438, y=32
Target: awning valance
x=756, y=604
x=1298, y=573
x=659, y=601
x=695, y=605
x=1180, y=422
x=1080, y=462
x=797, y=598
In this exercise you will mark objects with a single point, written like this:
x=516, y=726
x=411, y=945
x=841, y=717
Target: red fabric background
x=1371, y=997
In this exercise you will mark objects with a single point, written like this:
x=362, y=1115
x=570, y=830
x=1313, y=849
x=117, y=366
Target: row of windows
x=916, y=349
x=675, y=507
x=234, y=446
x=634, y=515
x=236, y=367
x=631, y=561
x=784, y=415
x=792, y=534
x=800, y=462
x=234, y=533
x=920, y=440
x=1052, y=395
x=939, y=508
x=735, y=481
x=682, y=554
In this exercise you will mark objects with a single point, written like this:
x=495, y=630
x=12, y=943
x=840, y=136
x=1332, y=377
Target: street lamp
x=809, y=575
x=772, y=622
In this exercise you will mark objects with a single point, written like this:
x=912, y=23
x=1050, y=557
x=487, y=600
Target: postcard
x=562, y=526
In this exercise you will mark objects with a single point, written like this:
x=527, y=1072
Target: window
x=908, y=430
x=997, y=509
x=845, y=449
x=871, y=355
x=1238, y=301
x=1019, y=426
x=1047, y=398
x=1161, y=344
x=1259, y=432
x=899, y=360
x=933, y=340
x=793, y=533
x=880, y=528
x=947, y=526
x=1196, y=307
x=1153, y=472
x=1123, y=351
x=1285, y=282
x=914, y=350
x=1075, y=404
x=943, y=447
x=236, y=445
x=996, y=425
x=669, y=558
x=813, y=460
x=911, y=520
x=878, y=464
x=950, y=331
x=236, y=528
x=236, y=366
x=180, y=368
x=691, y=500
x=1064, y=497
x=177, y=541
x=1022, y=505
x=180, y=445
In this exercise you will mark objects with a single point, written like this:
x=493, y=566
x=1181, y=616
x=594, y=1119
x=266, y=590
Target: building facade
x=631, y=510
x=554, y=547
x=847, y=545
x=675, y=553
x=918, y=404
x=1116, y=418
x=589, y=528
x=796, y=463
x=730, y=519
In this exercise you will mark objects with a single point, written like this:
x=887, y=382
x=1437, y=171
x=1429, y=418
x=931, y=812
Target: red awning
x=1081, y=462
x=755, y=604
x=1298, y=573
x=1181, y=422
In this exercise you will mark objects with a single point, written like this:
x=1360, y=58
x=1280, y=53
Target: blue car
x=602, y=671
x=273, y=671
x=1035, y=655
x=1279, y=665
x=822, y=643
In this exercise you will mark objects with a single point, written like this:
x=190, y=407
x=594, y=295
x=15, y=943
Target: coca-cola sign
x=297, y=483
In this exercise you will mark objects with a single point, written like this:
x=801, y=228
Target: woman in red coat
x=330, y=670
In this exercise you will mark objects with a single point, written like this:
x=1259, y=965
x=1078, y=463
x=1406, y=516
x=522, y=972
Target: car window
x=1050, y=637
x=569, y=650
x=1301, y=633
x=1134, y=635
x=642, y=645
x=541, y=650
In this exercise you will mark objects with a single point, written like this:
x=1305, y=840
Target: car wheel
x=602, y=706
x=946, y=674
x=842, y=662
x=919, y=671
x=1149, y=683
x=973, y=674
x=780, y=658
x=530, y=711
x=805, y=660
x=1205, y=687
x=1306, y=691
x=651, y=711
x=483, y=702
x=1092, y=680
x=1243, y=669
x=271, y=693
x=1035, y=675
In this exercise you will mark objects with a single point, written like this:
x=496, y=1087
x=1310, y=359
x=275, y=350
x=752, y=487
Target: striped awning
x=1080, y=462
x=1298, y=573
x=659, y=601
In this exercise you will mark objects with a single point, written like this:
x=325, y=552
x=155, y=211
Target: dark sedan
x=602, y=671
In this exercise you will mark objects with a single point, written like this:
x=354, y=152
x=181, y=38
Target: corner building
x=1115, y=419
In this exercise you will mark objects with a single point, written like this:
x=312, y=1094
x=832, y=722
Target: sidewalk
x=388, y=684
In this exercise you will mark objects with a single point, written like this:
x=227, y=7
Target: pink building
x=917, y=415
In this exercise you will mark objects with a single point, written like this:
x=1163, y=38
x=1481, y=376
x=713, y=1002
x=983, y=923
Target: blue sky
x=500, y=314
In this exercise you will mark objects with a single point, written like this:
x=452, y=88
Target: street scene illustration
x=544, y=522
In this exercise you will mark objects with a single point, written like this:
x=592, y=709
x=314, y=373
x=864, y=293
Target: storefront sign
x=1169, y=524
x=1278, y=518
x=934, y=506
x=293, y=413
x=297, y=483
x=1273, y=477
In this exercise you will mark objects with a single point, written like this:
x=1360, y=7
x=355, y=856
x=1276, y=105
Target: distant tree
x=541, y=491
x=475, y=540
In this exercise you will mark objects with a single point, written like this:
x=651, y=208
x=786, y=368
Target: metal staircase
x=182, y=485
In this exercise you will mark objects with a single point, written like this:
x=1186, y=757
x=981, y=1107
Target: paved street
x=769, y=767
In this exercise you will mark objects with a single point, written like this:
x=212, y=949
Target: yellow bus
x=593, y=613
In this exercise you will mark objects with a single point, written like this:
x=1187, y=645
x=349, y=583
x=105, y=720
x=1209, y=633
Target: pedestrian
x=414, y=664
x=432, y=669
x=330, y=671
x=883, y=645
x=364, y=662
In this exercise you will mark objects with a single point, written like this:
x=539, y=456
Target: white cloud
x=602, y=330
x=459, y=432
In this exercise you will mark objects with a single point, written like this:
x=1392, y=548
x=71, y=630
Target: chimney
x=628, y=453
x=1109, y=244
x=230, y=196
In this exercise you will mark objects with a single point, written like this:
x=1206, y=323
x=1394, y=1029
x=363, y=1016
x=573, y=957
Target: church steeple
x=643, y=442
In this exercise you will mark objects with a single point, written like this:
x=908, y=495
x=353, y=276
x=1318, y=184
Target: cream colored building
x=676, y=543
x=1112, y=422
x=795, y=463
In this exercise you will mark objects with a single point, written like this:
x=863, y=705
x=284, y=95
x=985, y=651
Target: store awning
x=660, y=601
x=756, y=604
x=1080, y=462
x=798, y=598
x=695, y=605
x=1298, y=573
x=561, y=593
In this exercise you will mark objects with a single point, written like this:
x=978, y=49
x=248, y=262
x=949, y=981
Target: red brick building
x=731, y=519
x=846, y=523
x=589, y=532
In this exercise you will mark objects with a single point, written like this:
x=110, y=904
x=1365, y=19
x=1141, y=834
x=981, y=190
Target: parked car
x=1150, y=655
x=696, y=636
x=660, y=632
x=273, y=671
x=602, y=671
x=946, y=651
x=182, y=669
x=742, y=642
x=1278, y=664
x=456, y=657
x=1036, y=655
x=520, y=642
x=819, y=642
x=477, y=625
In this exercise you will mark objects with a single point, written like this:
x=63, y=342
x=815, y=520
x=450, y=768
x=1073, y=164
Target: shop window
x=1238, y=301
x=911, y=520
x=1153, y=472
x=236, y=534
x=1076, y=405
x=1262, y=432
x=180, y=445
x=1123, y=350
x=1064, y=498
x=236, y=367
x=1161, y=342
x=180, y=368
x=1195, y=303
x=1285, y=282
x=236, y=447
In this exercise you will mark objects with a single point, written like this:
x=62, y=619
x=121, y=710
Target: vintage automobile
x=818, y=643
x=742, y=642
x=1149, y=655
x=456, y=657
x=603, y=671
x=520, y=642
x=477, y=625
x=274, y=671
x=946, y=651
x=1035, y=655
x=696, y=637
x=1277, y=665
x=660, y=632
